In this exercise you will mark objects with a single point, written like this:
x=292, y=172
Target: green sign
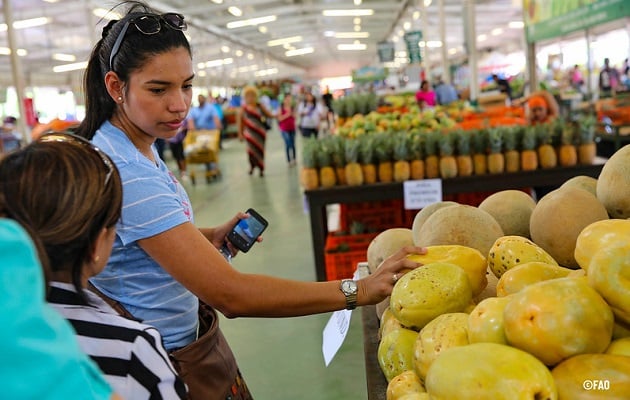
x=386, y=51
x=412, y=40
x=546, y=19
x=369, y=74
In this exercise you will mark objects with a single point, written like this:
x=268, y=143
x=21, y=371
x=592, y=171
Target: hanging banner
x=554, y=18
x=386, y=51
x=412, y=40
x=369, y=74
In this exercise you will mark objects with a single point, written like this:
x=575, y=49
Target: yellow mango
x=597, y=235
x=395, y=352
x=389, y=325
x=470, y=260
x=510, y=251
x=523, y=275
x=416, y=396
x=444, y=332
x=404, y=384
x=620, y=347
x=485, y=322
x=431, y=290
x=593, y=377
x=554, y=320
x=489, y=371
x=609, y=274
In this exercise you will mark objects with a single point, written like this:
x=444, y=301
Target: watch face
x=349, y=286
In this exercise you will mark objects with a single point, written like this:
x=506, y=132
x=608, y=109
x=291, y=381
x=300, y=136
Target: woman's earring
x=97, y=258
x=119, y=99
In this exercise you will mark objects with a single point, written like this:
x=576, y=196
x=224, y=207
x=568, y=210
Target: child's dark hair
x=134, y=51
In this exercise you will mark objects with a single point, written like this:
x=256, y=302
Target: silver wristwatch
x=349, y=288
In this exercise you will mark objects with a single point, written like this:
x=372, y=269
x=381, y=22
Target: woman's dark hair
x=61, y=194
x=423, y=83
x=135, y=50
x=306, y=101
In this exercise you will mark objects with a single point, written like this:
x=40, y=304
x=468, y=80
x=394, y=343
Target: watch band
x=350, y=293
x=351, y=301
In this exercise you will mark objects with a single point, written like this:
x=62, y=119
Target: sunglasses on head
x=147, y=24
x=79, y=141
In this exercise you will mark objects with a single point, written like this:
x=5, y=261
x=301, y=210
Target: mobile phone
x=246, y=231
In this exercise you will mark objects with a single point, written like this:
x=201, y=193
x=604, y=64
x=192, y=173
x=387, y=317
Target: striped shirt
x=153, y=202
x=129, y=354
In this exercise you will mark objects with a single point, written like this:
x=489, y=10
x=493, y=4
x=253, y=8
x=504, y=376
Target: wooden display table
x=376, y=382
x=318, y=199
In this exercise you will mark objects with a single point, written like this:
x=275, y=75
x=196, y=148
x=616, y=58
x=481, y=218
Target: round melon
x=387, y=243
x=587, y=183
x=425, y=213
x=460, y=224
x=613, y=185
x=558, y=219
x=511, y=209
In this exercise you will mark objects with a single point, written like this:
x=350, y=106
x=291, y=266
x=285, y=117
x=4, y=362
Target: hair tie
x=108, y=27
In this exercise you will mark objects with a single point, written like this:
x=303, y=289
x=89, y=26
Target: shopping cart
x=202, y=147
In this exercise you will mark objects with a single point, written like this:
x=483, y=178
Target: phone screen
x=249, y=229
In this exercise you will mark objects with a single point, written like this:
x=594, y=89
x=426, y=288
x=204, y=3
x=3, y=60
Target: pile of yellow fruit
x=515, y=299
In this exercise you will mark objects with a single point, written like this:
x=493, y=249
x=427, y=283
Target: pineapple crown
x=324, y=152
x=544, y=133
x=446, y=144
x=495, y=140
x=309, y=153
x=401, y=147
x=463, y=142
x=383, y=147
x=366, y=149
x=338, y=151
x=511, y=138
x=352, y=150
x=431, y=143
x=417, y=146
x=568, y=134
x=480, y=141
x=587, y=128
x=529, y=138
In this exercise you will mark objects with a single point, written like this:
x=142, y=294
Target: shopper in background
x=576, y=78
x=41, y=358
x=162, y=266
x=327, y=98
x=311, y=113
x=10, y=139
x=204, y=116
x=252, y=128
x=542, y=107
x=73, y=210
x=445, y=93
x=608, y=79
x=286, y=123
x=425, y=97
x=503, y=85
x=176, y=144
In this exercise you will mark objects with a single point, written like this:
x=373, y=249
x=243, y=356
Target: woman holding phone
x=138, y=87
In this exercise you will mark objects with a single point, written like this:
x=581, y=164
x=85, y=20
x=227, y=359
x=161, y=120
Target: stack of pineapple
x=417, y=154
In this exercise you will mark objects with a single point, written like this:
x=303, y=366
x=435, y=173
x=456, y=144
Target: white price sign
x=421, y=193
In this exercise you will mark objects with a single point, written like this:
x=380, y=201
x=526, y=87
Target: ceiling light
x=262, y=29
x=70, y=67
x=355, y=12
x=251, y=22
x=352, y=47
x=202, y=74
x=357, y=21
x=434, y=43
x=235, y=11
x=219, y=62
x=401, y=32
x=287, y=46
x=299, y=52
x=239, y=53
x=352, y=35
x=401, y=53
x=64, y=57
x=452, y=51
x=483, y=37
x=407, y=25
x=329, y=33
x=106, y=14
x=265, y=72
x=225, y=49
x=358, y=2
x=201, y=65
x=357, y=28
x=496, y=31
x=416, y=15
x=5, y=51
x=217, y=1
x=21, y=52
x=427, y=3
x=250, y=56
x=421, y=43
x=27, y=23
x=394, y=38
x=51, y=1
x=287, y=40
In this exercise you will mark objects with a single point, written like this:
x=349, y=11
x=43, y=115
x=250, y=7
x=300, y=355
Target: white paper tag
x=421, y=193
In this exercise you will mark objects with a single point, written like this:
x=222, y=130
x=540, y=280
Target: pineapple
x=529, y=157
x=340, y=108
x=402, y=169
x=308, y=175
x=480, y=144
x=587, y=149
x=383, y=152
x=354, y=173
x=567, y=153
x=496, y=161
x=351, y=107
x=546, y=153
x=366, y=157
x=327, y=176
x=431, y=161
x=417, y=155
x=464, y=158
x=339, y=158
x=511, y=139
x=447, y=163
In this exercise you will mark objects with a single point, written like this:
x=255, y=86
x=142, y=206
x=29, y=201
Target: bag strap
x=116, y=305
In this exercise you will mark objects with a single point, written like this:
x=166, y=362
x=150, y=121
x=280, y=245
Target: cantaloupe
x=460, y=224
x=587, y=183
x=613, y=185
x=387, y=243
x=425, y=213
x=511, y=209
x=558, y=219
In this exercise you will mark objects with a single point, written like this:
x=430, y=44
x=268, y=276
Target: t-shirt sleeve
x=150, y=204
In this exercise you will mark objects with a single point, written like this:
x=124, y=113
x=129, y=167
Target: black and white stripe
x=129, y=353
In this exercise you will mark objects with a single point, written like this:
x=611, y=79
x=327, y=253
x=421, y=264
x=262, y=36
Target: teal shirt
x=40, y=357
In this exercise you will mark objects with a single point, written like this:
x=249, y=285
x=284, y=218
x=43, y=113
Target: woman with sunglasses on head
x=73, y=210
x=163, y=269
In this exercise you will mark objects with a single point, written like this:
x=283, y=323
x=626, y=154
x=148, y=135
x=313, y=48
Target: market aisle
x=280, y=358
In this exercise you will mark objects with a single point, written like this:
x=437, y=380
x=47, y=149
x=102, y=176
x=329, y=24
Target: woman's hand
x=218, y=235
x=376, y=287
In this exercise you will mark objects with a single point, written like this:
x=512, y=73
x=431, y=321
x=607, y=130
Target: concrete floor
x=279, y=358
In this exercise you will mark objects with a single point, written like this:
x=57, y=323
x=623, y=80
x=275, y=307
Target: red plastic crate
x=376, y=216
x=341, y=265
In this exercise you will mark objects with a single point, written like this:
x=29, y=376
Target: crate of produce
x=374, y=216
x=344, y=252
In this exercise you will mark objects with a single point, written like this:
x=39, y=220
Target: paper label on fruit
x=421, y=193
x=336, y=330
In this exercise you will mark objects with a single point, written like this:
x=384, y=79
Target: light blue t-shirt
x=203, y=116
x=41, y=358
x=153, y=202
